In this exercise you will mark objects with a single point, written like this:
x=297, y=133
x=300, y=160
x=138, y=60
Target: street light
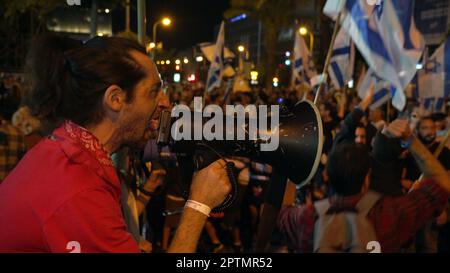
x=254, y=77
x=303, y=31
x=185, y=60
x=150, y=46
x=241, y=48
x=199, y=59
x=165, y=21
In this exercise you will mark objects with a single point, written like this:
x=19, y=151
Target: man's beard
x=427, y=140
x=129, y=134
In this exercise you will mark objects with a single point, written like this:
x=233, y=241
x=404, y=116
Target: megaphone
x=300, y=139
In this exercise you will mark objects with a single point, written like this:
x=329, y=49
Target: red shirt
x=64, y=196
x=395, y=219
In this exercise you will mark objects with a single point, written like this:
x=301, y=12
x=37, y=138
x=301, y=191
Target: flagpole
x=388, y=114
x=328, y=59
x=228, y=91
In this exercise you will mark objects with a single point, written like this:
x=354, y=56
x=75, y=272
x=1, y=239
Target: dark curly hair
x=68, y=78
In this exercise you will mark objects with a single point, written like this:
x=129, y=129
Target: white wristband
x=198, y=207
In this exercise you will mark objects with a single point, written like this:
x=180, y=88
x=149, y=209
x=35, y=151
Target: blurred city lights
x=350, y=83
x=254, y=75
x=192, y=78
x=166, y=21
x=176, y=77
x=303, y=30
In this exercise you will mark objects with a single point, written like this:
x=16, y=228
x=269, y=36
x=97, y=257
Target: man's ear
x=114, y=98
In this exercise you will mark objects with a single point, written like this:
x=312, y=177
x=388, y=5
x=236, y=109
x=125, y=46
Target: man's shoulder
x=47, y=174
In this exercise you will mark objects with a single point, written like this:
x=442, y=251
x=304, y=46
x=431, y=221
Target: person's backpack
x=346, y=230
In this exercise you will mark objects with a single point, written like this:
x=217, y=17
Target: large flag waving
x=343, y=60
x=434, y=79
x=303, y=69
x=385, y=33
x=383, y=89
x=216, y=67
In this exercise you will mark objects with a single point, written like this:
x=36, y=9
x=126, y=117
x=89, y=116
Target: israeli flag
x=303, y=69
x=385, y=33
x=215, y=69
x=343, y=60
x=434, y=79
x=383, y=89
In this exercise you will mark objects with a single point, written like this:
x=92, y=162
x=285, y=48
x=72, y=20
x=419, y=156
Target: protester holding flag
x=386, y=36
x=303, y=69
x=215, y=70
x=391, y=220
x=352, y=129
x=343, y=60
x=434, y=79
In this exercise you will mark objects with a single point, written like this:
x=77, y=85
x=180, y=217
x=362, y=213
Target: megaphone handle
x=272, y=204
x=205, y=156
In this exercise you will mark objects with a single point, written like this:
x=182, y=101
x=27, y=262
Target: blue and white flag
x=383, y=89
x=215, y=70
x=343, y=60
x=303, y=69
x=385, y=33
x=434, y=79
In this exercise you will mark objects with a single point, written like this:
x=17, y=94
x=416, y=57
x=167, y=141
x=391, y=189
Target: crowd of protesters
x=374, y=170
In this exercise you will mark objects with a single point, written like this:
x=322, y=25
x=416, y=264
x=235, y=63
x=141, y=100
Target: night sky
x=193, y=21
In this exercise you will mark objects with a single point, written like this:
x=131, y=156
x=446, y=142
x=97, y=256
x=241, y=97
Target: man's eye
x=154, y=92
